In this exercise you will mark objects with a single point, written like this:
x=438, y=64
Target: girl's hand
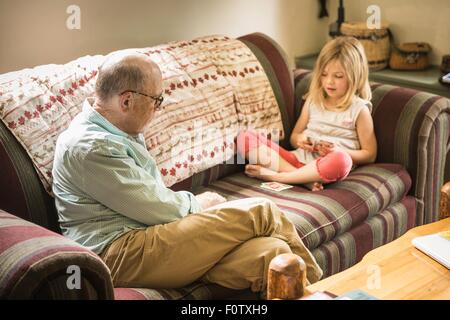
x=325, y=147
x=257, y=171
x=303, y=142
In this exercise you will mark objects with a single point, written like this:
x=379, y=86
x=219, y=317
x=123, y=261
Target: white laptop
x=436, y=245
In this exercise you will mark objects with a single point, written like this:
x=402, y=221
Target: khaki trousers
x=230, y=245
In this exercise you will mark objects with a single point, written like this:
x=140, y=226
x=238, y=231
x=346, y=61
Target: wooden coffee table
x=396, y=270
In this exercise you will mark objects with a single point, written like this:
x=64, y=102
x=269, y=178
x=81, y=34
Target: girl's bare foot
x=257, y=171
x=314, y=186
x=317, y=186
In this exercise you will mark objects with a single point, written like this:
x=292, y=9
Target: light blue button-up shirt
x=106, y=183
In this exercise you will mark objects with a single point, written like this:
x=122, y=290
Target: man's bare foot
x=314, y=186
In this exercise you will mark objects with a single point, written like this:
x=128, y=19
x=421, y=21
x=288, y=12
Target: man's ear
x=126, y=101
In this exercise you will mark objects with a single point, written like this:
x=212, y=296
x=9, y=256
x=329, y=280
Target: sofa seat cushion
x=321, y=216
x=194, y=291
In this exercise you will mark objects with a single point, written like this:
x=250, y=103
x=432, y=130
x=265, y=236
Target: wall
x=409, y=20
x=34, y=32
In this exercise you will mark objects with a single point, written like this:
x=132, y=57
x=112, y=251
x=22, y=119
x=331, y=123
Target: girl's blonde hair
x=350, y=53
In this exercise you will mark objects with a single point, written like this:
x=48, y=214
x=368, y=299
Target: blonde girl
x=334, y=132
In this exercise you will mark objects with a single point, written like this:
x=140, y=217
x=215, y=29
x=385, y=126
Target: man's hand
x=208, y=199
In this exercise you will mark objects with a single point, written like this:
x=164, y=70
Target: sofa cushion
x=194, y=291
x=321, y=216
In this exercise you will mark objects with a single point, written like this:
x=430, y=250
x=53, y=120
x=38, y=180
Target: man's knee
x=276, y=246
x=263, y=201
x=264, y=206
x=260, y=213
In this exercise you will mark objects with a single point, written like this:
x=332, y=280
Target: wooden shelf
x=425, y=80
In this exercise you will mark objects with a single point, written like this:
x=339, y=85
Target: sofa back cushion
x=276, y=66
x=279, y=71
x=213, y=87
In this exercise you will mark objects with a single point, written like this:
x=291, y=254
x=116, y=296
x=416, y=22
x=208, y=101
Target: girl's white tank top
x=338, y=127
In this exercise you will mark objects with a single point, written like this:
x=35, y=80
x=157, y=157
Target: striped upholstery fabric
x=350, y=247
x=22, y=192
x=55, y=288
x=207, y=177
x=34, y=264
x=412, y=129
x=195, y=291
x=321, y=216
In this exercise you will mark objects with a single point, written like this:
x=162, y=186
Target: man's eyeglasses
x=158, y=99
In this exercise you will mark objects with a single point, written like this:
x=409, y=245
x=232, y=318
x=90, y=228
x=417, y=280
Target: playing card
x=275, y=186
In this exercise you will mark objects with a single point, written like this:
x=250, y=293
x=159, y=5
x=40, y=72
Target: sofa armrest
x=36, y=263
x=412, y=129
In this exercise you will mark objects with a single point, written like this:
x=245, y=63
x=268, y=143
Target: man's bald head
x=122, y=72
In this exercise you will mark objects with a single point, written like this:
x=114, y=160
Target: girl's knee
x=334, y=166
x=342, y=160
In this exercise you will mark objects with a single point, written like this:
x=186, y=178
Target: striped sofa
x=374, y=205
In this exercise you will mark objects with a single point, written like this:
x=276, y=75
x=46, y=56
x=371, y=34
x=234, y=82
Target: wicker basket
x=410, y=56
x=376, y=42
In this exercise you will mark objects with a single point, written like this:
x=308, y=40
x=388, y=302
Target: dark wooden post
x=287, y=277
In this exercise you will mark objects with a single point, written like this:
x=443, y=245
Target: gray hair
x=119, y=76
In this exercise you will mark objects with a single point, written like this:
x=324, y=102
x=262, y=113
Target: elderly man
x=111, y=198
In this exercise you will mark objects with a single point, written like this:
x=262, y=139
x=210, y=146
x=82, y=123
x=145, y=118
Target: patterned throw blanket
x=213, y=87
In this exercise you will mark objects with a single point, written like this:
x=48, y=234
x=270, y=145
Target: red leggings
x=335, y=166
